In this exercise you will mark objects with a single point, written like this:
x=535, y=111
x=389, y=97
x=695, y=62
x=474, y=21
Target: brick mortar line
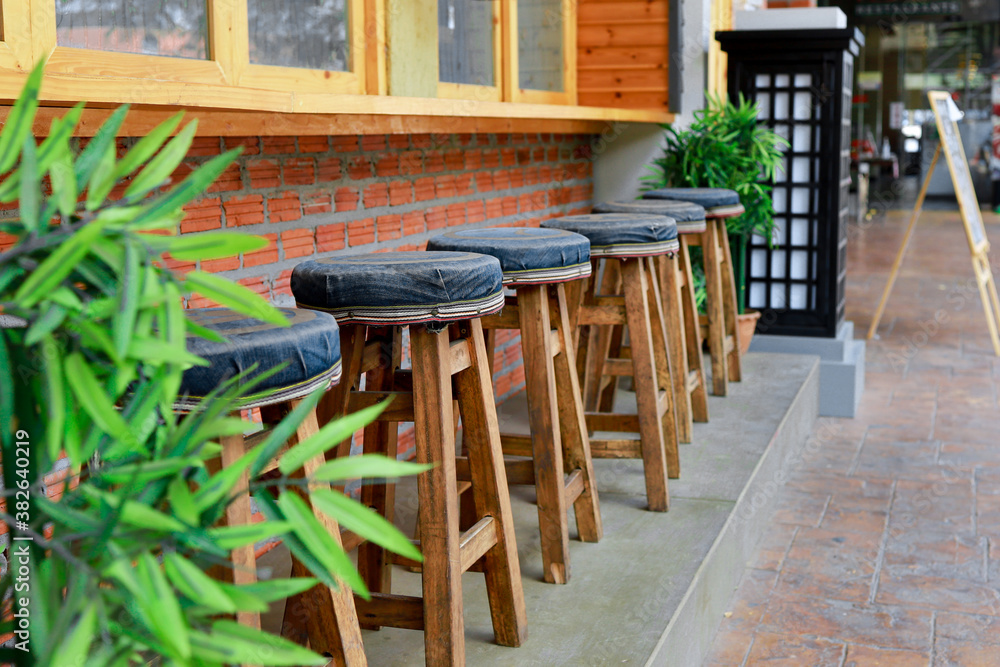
x=334, y=217
x=280, y=265
x=880, y=557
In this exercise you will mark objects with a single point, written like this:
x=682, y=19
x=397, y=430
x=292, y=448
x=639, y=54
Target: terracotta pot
x=746, y=324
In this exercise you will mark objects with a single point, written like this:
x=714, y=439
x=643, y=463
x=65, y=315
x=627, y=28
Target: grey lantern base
x=841, y=369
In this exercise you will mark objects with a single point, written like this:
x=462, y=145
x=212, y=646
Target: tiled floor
x=885, y=547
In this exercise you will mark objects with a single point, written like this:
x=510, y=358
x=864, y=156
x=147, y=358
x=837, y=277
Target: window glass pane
x=153, y=27
x=299, y=33
x=465, y=41
x=539, y=44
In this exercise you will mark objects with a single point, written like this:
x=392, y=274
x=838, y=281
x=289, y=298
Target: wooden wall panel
x=623, y=54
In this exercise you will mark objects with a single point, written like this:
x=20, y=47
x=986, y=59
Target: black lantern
x=801, y=80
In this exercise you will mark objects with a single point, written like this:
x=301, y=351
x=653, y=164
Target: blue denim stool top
x=309, y=348
x=398, y=288
x=622, y=234
x=690, y=217
x=718, y=202
x=528, y=255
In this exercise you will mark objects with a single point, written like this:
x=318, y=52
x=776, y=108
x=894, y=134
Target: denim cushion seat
x=718, y=202
x=401, y=287
x=622, y=234
x=528, y=255
x=690, y=218
x=309, y=348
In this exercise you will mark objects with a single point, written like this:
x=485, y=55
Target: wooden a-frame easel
x=945, y=113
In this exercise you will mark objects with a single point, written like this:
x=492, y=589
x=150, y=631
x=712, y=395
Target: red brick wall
x=320, y=195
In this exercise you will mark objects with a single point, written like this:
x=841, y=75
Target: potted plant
x=726, y=146
x=109, y=501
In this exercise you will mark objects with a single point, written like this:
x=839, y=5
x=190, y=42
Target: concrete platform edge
x=688, y=636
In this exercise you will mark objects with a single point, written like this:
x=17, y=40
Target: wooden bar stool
x=311, y=346
x=720, y=286
x=439, y=296
x=679, y=307
x=629, y=294
x=536, y=263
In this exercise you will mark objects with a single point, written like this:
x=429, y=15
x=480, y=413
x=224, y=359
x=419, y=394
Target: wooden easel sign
x=946, y=113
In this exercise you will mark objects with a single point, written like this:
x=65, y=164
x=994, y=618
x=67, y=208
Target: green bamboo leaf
x=195, y=584
x=233, y=644
x=182, y=501
x=221, y=483
x=367, y=466
x=74, y=520
x=75, y=646
x=204, y=332
x=92, y=397
x=328, y=436
x=278, y=436
x=20, y=119
x=157, y=170
x=55, y=394
x=364, y=521
x=244, y=600
x=273, y=590
x=30, y=191
x=232, y=537
x=154, y=351
x=52, y=316
x=209, y=245
x=133, y=512
x=235, y=296
x=147, y=146
x=189, y=189
x=130, y=286
x=57, y=266
x=145, y=471
x=163, y=612
x=320, y=543
x=90, y=157
x=102, y=179
x=56, y=144
x=64, y=184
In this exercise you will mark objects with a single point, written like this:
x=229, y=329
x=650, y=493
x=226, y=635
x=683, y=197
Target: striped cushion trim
x=416, y=314
x=691, y=227
x=668, y=247
x=730, y=211
x=558, y=274
x=327, y=378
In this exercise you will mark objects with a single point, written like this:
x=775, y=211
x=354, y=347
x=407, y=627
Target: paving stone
x=773, y=546
x=886, y=626
x=968, y=628
x=869, y=656
x=830, y=564
x=938, y=593
x=948, y=653
x=800, y=509
x=774, y=649
x=949, y=555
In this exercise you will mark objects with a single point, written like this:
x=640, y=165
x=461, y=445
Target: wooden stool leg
x=667, y=269
x=692, y=333
x=489, y=480
x=572, y=422
x=546, y=443
x=238, y=512
x=437, y=491
x=374, y=563
x=729, y=304
x=714, y=299
x=664, y=373
x=599, y=343
x=646, y=384
x=329, y=613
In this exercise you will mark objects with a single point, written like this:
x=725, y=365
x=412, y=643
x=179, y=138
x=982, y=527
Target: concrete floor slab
x=649, y=574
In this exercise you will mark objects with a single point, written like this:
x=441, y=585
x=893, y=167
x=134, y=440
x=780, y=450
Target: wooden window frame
x=16, y=54
x=299, y=79
x=512, y=90
x=227, y=68
x=468, y=91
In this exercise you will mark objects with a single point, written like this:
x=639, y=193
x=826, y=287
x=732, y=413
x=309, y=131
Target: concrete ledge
x=654, y=590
